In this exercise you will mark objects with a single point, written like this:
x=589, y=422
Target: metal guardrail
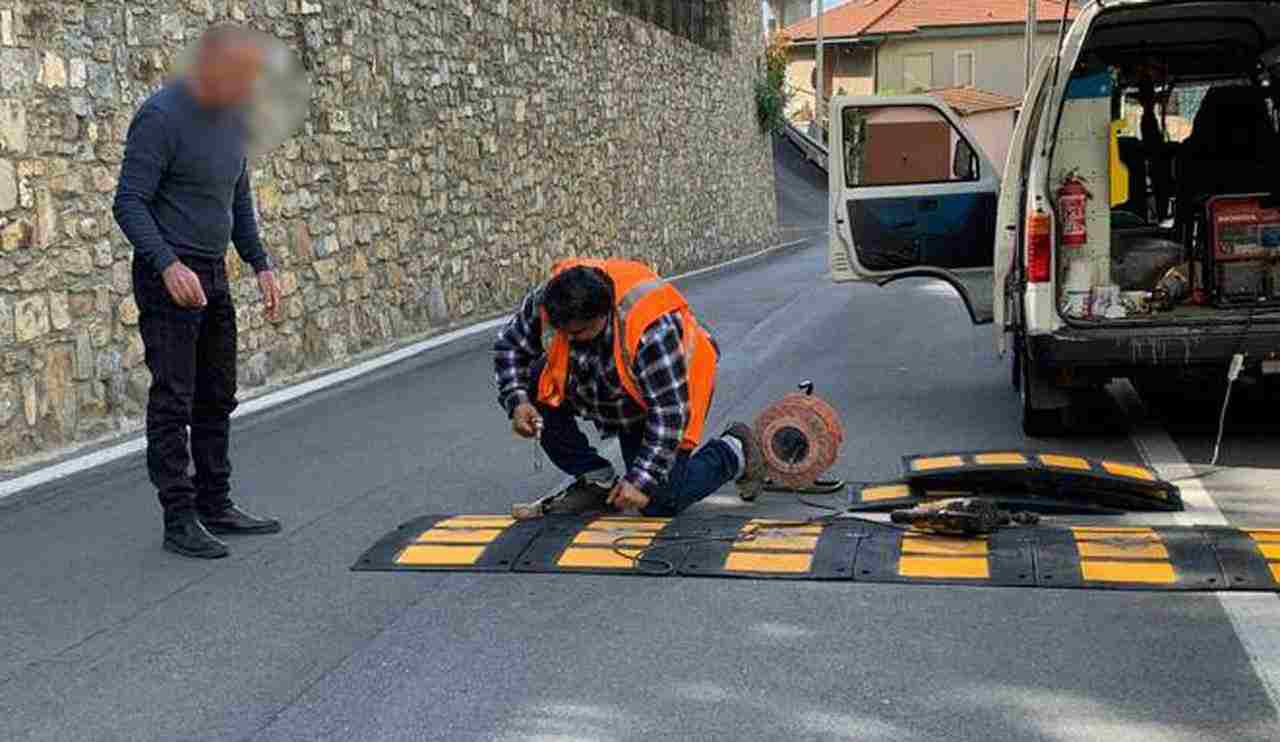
x=813, y=150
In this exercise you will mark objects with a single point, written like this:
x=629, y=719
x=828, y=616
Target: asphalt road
x=104, y=636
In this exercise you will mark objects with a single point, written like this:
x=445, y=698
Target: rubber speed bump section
x=893, y=555
x=1142, y=558
x=1061, y=477
x=763, y=548
x=1250, y=558
x=474, y=543
x=607, y=544
x=885, y=496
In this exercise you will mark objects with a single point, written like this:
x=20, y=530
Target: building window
x=704, y=22
x=966, y=76
x=917, y=72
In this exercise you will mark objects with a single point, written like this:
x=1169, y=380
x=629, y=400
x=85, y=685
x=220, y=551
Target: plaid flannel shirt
x=594, y=389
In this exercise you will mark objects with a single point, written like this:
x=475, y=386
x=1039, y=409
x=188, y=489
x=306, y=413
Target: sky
x=764, y=7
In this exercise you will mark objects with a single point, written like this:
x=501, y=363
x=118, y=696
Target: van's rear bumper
x=1151, y=347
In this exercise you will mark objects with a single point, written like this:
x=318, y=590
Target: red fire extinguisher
x=1072, y=196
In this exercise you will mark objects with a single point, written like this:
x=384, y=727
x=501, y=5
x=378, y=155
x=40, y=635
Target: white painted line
x=1254, y=616
x=118, y=451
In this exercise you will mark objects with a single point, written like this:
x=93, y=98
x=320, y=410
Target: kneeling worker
x=611, y=342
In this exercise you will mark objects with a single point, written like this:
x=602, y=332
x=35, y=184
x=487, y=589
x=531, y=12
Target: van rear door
x=912, y=195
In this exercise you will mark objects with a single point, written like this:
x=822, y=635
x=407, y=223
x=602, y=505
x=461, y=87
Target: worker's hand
x=625, y=496
x=269, y=287
x=526, y=421
x=184, y=286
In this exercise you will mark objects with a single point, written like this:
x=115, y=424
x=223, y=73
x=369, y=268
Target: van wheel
x=1036, y=423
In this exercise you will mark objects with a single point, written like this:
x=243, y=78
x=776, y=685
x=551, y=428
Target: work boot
x=184, y=534
x=751, y=482
x=587, y=494
x=232, y=519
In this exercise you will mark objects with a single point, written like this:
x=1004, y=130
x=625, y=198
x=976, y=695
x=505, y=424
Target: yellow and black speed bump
x=842, y=549
x=913, y=556
x=608, y=544
x=1023, y=480
x=1250, y=559
x=768, y=548
x=474, y=543
x=1061, y=476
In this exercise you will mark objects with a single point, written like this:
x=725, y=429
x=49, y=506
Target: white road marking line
x=84, y=462
x=1254, y=616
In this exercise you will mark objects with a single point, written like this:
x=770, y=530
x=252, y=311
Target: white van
x=1135, y=233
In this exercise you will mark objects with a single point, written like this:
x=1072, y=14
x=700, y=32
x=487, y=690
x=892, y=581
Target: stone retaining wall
x=455, y=149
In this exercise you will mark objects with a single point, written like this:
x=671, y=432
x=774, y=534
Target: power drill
x=961, y=516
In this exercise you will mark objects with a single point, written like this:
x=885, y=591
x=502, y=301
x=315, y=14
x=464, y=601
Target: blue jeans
x=692, y=477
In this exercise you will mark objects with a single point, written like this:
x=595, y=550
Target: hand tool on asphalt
x=800, y=437
x=961, y=516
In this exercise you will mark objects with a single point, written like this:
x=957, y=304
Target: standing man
x=611, y=342
x=183, y=195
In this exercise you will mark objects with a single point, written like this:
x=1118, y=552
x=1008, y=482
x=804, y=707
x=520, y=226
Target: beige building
x=906, y=46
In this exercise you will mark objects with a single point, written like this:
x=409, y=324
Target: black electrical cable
x=640, y=553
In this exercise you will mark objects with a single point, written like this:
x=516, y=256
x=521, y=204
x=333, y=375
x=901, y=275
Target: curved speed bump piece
x=800, y=437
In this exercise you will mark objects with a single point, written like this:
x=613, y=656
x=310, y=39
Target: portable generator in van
x=1242, y=257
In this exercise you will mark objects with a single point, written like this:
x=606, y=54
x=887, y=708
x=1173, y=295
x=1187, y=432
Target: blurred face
x=226, y=72
x=584, y=331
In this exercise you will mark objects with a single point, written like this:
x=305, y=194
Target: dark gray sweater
x=184, y=184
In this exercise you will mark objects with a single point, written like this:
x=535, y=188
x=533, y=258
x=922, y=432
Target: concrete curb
x=133, y=443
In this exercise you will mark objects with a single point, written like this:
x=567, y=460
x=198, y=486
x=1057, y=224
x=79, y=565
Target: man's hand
x=269, y=287
x=183, y=286
x=625, y=496
x=526, y=421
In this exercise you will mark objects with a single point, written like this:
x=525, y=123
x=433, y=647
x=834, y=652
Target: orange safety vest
x=641, y=297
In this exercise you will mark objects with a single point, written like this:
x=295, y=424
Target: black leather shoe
x=185, y=535
x=234, y=520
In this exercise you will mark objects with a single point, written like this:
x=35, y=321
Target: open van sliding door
x=912, y=196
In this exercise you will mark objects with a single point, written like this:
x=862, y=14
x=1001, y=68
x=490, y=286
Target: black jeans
x=192, y=357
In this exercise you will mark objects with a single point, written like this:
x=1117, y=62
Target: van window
x=1176, y=115
x=904, y=145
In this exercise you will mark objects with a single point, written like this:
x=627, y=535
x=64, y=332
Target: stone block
x=59, y=399
x=326, y=271
x=46, y=220
x=17, y=69
x=79, y=73
x=326, y=246
x=127, y=310
x=102, y=254
x=103, y=180
x=59, y=312
x=359, y=265
x=121, y=278
x=339, y=121
x=13, y=125
x=108, y=363
x=8, y=186
x=93, y=399
x=6, y=323
x=53, y=71
x=10, y=401
x=78, y=261
x=30, y=400
x=31, y=318
x=83, y=357
x=134, y=351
